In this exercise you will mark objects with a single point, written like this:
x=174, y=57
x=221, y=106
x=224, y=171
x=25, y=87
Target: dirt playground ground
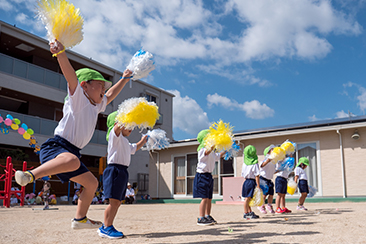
x=176, y=223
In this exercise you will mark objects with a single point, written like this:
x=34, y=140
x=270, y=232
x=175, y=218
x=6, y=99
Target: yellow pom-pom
x=137, y=112
x=220, y=137
x=277, y=154
x=257, y=199
x=62, y=20
x=288, y=147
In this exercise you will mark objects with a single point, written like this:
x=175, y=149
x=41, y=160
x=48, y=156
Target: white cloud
x=313, y=118
x=5, y=5
x=362, y=94
x=253, y=109
x=341, y=114
x=188, y=116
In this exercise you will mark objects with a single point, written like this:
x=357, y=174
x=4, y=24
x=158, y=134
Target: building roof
x=314, y=126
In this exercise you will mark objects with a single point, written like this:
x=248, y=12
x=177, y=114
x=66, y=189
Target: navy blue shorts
x=248, y=188
x=303, y=186
x=266, y=186
x=55, y=146
x=115, y=178
x=203, y=185
x=281, y=185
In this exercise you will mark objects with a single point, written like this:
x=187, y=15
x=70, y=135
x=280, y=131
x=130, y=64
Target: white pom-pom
x=141, y=64
x=156, y=139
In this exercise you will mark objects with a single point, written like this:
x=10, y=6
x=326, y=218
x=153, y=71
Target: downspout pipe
x=342, y=164
x=157, y=173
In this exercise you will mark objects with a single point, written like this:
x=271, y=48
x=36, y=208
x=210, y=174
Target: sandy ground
x=176, y=223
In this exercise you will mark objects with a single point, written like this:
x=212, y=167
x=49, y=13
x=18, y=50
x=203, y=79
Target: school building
x=336, y=150
x=33, y=89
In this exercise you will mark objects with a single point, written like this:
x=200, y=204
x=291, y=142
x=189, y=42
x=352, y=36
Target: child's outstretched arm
x=68, y=71
x=112, y=93
x=141, y=142
x=257, y=181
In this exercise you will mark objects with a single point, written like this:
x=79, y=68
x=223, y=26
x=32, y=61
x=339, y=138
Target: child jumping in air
x=60, y=156
x=203, y=181
x=250, y=172
x=300, y=175
x=115, y=176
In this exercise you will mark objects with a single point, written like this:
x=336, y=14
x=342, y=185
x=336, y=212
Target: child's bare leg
x=203, y=206
x=111, y=211
x=90, y=184
x=64, y=162
x=279, y=200
x=208, y=207
x=270, y=199
x=283, y=201
x=302, y=198
x=246, y=205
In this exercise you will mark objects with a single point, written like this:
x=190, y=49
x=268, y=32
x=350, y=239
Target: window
x=309, y=150
x=185, y=171
x=143, y=182
x=150, y=98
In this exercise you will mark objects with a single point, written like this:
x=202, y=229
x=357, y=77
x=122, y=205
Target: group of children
x=60, y=156
x=255, y=175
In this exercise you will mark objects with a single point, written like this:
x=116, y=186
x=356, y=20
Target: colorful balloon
x=24, y=126
x=30, y=131
x=16, y=121
x=8, y=122
x=14, y=126
x=26, y=136
x=21, y=131
x=1, y=119
x=9, y=117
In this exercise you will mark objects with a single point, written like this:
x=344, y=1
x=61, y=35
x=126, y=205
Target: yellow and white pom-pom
x=62, y=20
x=257, y=199
x=220, y=137
x=137, y=112
x=288, y=147
x=277, y=154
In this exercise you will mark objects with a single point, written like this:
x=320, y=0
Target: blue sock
x=80, y=219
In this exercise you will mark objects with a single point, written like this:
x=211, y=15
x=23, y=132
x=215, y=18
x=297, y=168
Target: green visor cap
x=201, y=135
x=86, y=74
x=110, y=123
x=268, y=149
x=303, y=160
x=250, y=155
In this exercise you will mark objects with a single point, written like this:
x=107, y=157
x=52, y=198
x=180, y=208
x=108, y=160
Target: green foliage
x=15, y=154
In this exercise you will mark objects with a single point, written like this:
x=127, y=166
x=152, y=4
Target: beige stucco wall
x=329, y=160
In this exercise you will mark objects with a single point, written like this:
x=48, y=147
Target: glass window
x=179, y=173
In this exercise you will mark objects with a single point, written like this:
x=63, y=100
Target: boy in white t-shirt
x=250, y=172
x=281, y=190
x=115, y=176
x=130, y=194
x=267, y=170
x=203, y=181
x=60, y=155
x=300, y=175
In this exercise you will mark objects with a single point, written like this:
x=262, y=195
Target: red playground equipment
x=7, y=177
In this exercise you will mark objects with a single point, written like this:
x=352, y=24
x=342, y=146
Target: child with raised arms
x=115, y=176
x=302, y=179
x=203, y=181
x=60, y=156
x=250, y=172
x=281, y=190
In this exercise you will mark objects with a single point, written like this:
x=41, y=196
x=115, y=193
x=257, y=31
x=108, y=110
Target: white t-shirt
x=268, y=170
x=283, y=174
x=250, y=171
x=79, y=118
x=301, y=173
x=130, y=192
x=119, y=149
x=206, y=164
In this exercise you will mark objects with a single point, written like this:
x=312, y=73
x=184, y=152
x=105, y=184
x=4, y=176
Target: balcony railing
x=47, y=127
x=32, y=72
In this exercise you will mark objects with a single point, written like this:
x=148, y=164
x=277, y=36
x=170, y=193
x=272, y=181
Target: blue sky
x=253, y=64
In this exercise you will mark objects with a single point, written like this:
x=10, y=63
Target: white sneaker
x=22, y=177
x=85, y=224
